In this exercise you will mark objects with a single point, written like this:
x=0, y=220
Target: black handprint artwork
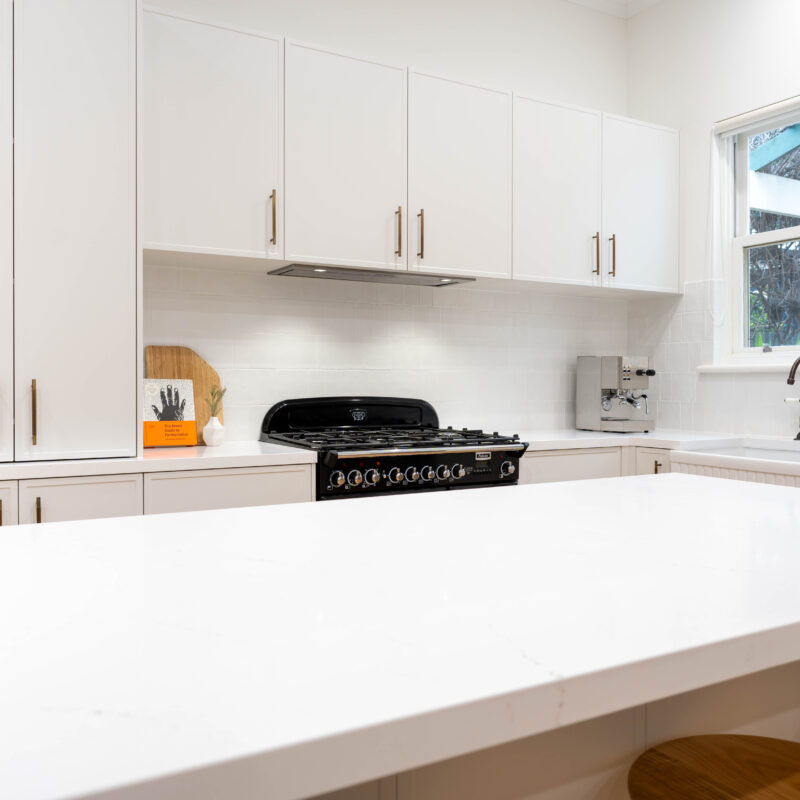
x=171, y=406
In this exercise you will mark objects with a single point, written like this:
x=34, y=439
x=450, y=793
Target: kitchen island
x=284, y=651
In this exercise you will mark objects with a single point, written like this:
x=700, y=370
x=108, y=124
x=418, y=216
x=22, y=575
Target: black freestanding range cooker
x=384, y=445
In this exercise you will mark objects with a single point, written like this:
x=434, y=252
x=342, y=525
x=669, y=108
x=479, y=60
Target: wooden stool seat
x=722, y=767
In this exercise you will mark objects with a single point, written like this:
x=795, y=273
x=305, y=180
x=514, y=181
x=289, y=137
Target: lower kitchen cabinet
x=64, y=499
x=547, y=466
x=203, y=490
x=651, y=460
x=8, y=503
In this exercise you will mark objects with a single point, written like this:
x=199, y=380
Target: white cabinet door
x=6, y=233
x=202, y=490
x=557, y=161
x=652, y=461
x=95, y=497
x=570, y=465
x=640, y=205
x=213, y=138
x=8, y=503
x=75, y=227
x=459, y=177
x=345, y=159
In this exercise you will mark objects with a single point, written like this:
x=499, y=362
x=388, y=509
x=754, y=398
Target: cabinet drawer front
x=651, y=460
x=202, y=490
x=64, y=499
x=8, y=501
x=571, y=465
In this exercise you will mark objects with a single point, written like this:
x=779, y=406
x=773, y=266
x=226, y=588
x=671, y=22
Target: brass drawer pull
x=274, y=198
x=596, y=237
x=613, y=241
x=421, y=216
x=33, y=410
x=38, y=509
x=656, y=465
x=1, y=513
x=399, y=213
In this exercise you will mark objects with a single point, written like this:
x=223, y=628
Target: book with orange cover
x=169, y=416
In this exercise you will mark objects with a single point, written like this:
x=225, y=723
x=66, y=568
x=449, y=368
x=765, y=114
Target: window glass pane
x=772, y=275
x=773, y=179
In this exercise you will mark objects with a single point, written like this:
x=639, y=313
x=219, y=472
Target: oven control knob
x=442, y=473
x=428, y=474
x=372, y=476
x=395, y=475
x=458, y=471
x=337, y=478
x=412, y=474
x=354, y=477
x=507, y=468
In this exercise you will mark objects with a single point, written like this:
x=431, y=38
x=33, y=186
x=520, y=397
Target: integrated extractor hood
x=407, y=277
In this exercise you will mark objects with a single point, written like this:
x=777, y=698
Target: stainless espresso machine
x=611, y=394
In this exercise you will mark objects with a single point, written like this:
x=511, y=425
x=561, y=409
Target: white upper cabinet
x=6, y=234
x=557, y=163
x=640, y=205
x=75, y=228
x=459, y=177
x=345, y=159
x=213, y=139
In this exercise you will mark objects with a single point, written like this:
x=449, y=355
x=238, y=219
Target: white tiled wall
x=499, y=358
x=677, y=334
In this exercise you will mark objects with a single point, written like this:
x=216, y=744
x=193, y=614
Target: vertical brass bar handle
x=596, y=237
x=421, y=216
x=1, y=513
x=38, y=509
x=33, y=410
x=399, y=213
x=274, y=198
x=656, y=465
x=613, y=241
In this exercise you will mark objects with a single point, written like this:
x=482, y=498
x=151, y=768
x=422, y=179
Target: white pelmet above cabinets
x=391, y=167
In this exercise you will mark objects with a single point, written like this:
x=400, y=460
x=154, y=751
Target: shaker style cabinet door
x=213, y=138
x=345, y=159
x=640, y=205
x=6, y=233
x=459, y=177
x=75, y=228
x=66, y=499
x=8, y=503
x=557, y=161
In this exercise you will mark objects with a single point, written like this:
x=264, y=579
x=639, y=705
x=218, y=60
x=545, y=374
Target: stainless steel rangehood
x=406, y=277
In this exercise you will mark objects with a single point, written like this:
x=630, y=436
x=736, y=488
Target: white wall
x=691, y=63
x=496, y=356
x=492, y=358
x=551, y=48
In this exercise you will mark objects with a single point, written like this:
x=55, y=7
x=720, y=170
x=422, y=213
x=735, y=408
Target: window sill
x=777, y=367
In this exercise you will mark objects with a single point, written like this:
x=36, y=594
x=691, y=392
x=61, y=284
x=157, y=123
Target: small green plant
x=215, y=401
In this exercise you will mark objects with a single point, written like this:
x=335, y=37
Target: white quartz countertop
x=569, y=439
x=165, y=459
x=283, y=651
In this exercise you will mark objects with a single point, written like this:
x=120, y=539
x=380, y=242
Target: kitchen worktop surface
x=282, y=651
x=569, y=438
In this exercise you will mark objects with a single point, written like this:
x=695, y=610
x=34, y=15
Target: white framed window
x=759, y=156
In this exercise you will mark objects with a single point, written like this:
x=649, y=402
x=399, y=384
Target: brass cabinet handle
x=38, y=509
x=1, y=513
x=656, y=465
x=399, y=213
x=596, y=237
x=421, y=216
x=613, y=241
x=33, y=410
x=274, y=198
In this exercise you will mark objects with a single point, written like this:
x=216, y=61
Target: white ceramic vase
x=213, y=432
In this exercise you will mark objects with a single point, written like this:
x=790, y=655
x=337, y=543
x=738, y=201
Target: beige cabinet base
x=93, y=497
x=8, y=503
x=547, y=466
x=652, y=460
x=203, y=490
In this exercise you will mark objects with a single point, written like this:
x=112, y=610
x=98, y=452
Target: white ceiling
x=617, y=8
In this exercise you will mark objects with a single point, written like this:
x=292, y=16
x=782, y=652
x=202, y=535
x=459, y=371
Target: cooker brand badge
x=358, y=414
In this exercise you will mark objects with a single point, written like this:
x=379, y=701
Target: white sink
x=751, y=448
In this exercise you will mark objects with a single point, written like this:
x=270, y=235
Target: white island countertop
x=283, y=651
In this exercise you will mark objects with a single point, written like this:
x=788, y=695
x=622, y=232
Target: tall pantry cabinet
x=74, y=212
x=6, y=234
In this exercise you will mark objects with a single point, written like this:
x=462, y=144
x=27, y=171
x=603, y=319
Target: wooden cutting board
x=181, y=362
